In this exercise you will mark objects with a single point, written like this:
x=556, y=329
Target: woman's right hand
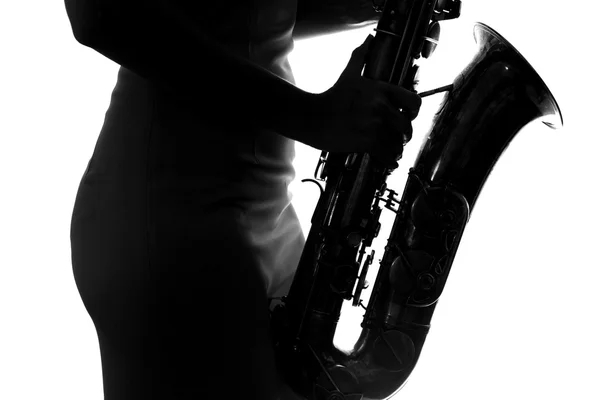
x=361, y=115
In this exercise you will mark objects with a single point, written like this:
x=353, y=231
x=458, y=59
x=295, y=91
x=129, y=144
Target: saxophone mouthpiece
x=446, y=88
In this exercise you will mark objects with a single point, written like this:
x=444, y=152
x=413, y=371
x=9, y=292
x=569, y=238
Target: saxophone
x=492, y=99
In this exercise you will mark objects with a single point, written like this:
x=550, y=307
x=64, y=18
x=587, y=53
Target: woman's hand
x=361, y=115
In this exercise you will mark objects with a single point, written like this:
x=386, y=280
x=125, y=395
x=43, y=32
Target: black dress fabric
x=183, y=227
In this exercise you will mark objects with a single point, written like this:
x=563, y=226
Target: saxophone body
x=490, y=101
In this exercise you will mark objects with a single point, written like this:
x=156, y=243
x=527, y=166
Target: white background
x=518, y=316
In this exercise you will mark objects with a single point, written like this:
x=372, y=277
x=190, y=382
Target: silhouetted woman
x=183, y=224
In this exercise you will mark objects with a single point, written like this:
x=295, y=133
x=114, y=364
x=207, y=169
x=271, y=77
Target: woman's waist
x=147, y=126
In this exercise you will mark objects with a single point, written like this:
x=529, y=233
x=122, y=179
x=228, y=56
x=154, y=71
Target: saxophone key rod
x=446, y=88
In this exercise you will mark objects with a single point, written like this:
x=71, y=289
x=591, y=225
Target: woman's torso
x=191, y=160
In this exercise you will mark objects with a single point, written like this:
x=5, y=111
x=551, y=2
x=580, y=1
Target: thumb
x=358, y=58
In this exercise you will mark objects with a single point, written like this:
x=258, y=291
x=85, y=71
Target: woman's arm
x=160, y=41
x=323, y=17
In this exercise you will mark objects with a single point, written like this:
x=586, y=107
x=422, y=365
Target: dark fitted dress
x=183, y=227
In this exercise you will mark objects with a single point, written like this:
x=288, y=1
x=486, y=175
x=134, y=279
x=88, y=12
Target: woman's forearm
x=158, y=41
x=325, y=17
